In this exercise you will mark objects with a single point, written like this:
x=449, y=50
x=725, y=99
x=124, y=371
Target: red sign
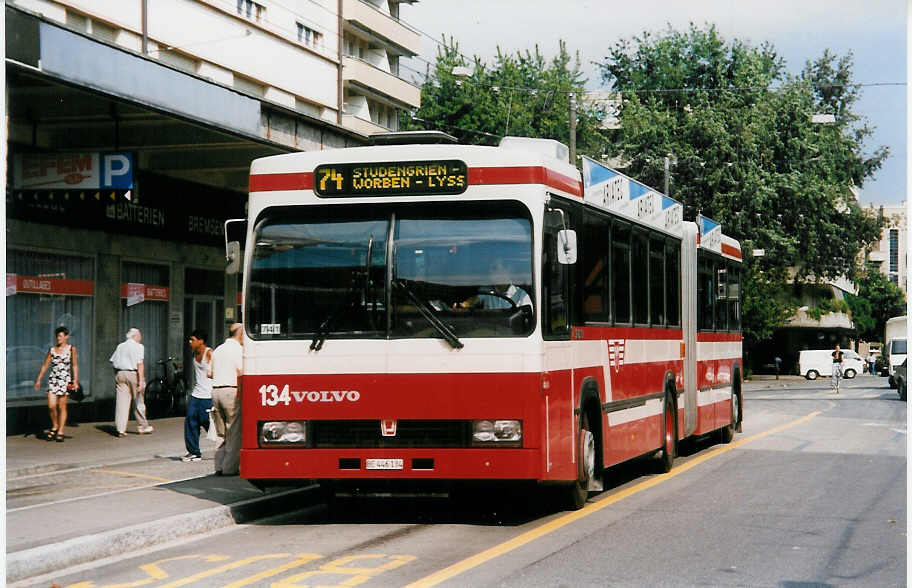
x=157, y=293
x=16, y=284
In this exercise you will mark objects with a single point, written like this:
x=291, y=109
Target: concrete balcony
x=878, y=256
x=375, y=79
x=365, y=127
x=374, y=21
x=831, y=320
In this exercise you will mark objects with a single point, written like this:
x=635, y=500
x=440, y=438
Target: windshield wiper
x=348, y=303
x=428, y=313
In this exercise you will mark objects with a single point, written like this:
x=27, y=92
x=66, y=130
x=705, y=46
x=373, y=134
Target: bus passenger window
x=640, y=272
x=672, y=283
x=593, y=262
x=554, y=308
x=721, y=297
x=620, y=272
x=734, y=299
x=657, y=282
x=705, y=295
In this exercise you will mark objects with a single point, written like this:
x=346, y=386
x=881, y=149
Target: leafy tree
x=747, y=154
x=520, y=95
x=878, y=300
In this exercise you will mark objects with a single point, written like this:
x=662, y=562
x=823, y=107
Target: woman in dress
x=61, y=358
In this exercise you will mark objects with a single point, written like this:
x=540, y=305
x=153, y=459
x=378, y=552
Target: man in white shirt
x=130, y=383
x=227, y=365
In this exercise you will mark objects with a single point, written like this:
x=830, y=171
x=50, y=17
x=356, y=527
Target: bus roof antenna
x=412, y=138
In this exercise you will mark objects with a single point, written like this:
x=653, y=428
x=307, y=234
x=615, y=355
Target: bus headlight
x=497, y=432
x=283, y=432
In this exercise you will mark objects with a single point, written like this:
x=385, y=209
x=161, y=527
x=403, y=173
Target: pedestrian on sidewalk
x=837, y=367
x=200, y=396
x=130, y=383
x=227, y=366
x=64, y=376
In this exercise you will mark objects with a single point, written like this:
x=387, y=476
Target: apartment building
x=890, y=254
x=132, y=124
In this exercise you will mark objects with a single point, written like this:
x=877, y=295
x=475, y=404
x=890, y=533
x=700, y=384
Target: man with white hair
x=130, y=383
x=227, y=367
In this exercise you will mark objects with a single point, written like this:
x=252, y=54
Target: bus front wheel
x=669, y=437
x=576, y=493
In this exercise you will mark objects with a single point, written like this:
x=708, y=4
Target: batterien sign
x=390, y=178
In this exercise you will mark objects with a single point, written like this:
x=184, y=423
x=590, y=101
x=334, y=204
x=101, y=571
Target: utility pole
x=573, y=129
x=667, y=173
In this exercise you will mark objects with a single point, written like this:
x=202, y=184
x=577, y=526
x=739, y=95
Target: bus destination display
x=391, y=178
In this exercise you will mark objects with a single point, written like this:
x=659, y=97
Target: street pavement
x=96, y=495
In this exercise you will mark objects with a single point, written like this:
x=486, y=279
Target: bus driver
x=502, y=292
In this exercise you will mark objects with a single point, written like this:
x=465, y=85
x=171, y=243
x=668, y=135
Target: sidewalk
x=56, y=519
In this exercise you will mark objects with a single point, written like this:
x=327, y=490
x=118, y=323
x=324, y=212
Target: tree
x=520, y=95
x=878, y=300
x=747, y=154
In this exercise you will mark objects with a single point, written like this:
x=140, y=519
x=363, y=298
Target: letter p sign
x=117, y=171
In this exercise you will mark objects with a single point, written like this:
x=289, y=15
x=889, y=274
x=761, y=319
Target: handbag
x=76, y=392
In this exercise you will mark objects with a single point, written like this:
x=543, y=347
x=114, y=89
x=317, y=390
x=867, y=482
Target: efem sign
x=73, y=171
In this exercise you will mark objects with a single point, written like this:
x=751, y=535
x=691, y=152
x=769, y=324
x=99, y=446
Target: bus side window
x=672, y=282
x=555, y=290
x=656, y=282
x=620, y=272
x=721, y=296
x=639, y=268
x=734, y=298
x=705, y=295
x=593, y=262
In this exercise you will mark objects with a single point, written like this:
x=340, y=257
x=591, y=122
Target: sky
x=873, y=30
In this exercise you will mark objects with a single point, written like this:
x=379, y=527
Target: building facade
x=890, y=254
x=132, y=125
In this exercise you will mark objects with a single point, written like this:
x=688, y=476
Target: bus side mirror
x=235, y=235
x=233, y=253
x=566, y=247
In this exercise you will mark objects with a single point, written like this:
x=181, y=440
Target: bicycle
x=164, y=393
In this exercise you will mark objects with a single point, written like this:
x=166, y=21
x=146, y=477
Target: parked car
x=813, y=363
x=899, y=377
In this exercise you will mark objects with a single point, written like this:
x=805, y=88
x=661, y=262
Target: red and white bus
x=458, y=313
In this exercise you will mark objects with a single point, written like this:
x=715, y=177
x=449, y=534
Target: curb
x=45, y=559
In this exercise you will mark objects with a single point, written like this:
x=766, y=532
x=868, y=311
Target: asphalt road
x=812, y=493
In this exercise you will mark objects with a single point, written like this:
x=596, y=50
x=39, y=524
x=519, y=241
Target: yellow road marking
x=131, y=474
x=529, y=536
x=303, y=558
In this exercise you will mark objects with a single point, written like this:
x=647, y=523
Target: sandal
x=58, y=437
x=51, y=435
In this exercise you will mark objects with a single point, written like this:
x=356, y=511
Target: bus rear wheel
x=727, y=433
x=669, y=437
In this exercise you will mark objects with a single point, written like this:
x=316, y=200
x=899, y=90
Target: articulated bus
x=474, y=315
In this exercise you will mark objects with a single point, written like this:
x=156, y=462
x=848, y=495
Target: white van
x=819, y=362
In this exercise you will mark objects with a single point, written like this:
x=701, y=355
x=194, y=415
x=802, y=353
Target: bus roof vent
x=548, y=147
x=412, y=138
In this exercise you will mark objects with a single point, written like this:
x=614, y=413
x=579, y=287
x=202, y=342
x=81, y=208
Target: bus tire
x=669, y=436
x=727, y=433
x=576, y=493
x=812, y=375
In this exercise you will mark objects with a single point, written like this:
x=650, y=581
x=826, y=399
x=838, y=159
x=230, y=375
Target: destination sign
x=391, y=178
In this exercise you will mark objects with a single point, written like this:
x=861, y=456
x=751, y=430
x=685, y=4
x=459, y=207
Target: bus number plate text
x=383, y=464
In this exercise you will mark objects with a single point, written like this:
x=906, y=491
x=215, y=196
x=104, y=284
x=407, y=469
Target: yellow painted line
x=131, y=474
x=529, y=536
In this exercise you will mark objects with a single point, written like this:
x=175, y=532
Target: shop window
x=150, y=314
x=44, y=291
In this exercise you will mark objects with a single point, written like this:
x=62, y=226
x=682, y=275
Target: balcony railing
x=374, y=78
x=371, y=19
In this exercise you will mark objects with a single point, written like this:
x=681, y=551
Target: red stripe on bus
x=646, y=333
x=524, y=175
x=718, y=337
x=731, y=251
x=273, y=182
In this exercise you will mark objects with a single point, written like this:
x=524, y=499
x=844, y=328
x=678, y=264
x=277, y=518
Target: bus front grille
x=432, y=434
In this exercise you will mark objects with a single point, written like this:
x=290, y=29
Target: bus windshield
x=392, y=271
x=899, y=347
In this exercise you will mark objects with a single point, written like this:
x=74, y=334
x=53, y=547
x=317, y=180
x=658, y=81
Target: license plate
x=383, y=464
